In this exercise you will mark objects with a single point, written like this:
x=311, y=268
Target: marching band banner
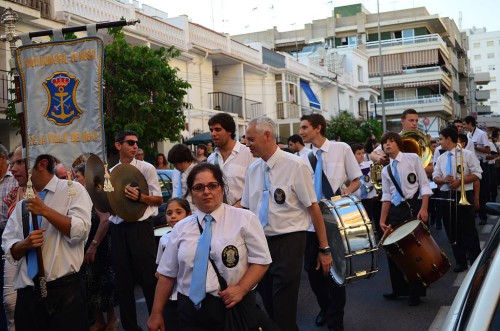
x=61, y=87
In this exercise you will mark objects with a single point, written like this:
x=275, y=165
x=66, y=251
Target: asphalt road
x=366, y=309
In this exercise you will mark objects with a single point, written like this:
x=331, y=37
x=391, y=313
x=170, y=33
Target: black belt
x=59, y=282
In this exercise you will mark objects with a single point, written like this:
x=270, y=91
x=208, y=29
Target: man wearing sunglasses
x=133, y=243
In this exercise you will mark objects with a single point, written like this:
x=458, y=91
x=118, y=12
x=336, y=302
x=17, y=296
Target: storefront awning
x=423, y=83
x=313, y=100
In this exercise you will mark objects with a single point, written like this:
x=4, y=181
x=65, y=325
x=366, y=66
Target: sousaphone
x=122, y=176
x=94, y=183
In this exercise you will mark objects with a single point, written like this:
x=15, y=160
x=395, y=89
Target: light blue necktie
x=216, y=161
x=32, y=260
x=264, y=206
x=318, y=172
x=364, y=191
x=396, y=200
x=179, y=186
x=448, y=165
x=198, y=288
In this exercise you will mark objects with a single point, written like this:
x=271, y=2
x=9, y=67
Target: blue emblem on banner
x=61, y=91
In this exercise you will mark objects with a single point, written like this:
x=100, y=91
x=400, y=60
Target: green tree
x=142, y=92
x=350, y=129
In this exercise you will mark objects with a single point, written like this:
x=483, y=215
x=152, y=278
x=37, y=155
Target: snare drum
x=350, y=236
x=411, y=246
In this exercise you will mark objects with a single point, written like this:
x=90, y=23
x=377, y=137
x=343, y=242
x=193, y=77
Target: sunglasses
x=130, y=142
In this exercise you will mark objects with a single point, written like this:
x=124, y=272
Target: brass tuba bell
x=416, y=142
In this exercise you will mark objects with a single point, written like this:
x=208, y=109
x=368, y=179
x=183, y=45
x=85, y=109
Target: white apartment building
x=484, y=56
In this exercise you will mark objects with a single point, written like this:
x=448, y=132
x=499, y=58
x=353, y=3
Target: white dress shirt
x=471, y=166
x=479, y=138
x=492, y=149
x=291, y=192
x=366, y=181
x=149, y=172
x=234, y=169
x=175, y=184
x=234, y=230
x=409, y=168
x=62, y=255
x=303, y=151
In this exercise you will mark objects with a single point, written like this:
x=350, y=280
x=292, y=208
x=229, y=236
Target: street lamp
x=381, y=69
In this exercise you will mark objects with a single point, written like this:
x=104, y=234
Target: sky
x=245, y=16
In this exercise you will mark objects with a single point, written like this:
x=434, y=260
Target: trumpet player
x=456, y=170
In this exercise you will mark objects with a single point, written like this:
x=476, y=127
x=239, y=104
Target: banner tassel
x=71, y=189
x=108, y=187
x=30, y=194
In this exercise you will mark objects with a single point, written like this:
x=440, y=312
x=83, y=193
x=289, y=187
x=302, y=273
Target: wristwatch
x=326, y=250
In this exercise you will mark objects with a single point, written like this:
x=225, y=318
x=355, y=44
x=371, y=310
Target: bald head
x=61, y=171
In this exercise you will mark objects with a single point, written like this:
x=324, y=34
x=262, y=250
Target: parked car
x=476, y=305
x=165, y=180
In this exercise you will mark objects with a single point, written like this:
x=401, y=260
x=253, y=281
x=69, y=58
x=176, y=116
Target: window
x=408, y=36
x=490, y=43
x=477, y=69
x=493, y=79
x=477, y=57
x=491, y=55
x=360, y=74
x=352, y=40
x=476, y=45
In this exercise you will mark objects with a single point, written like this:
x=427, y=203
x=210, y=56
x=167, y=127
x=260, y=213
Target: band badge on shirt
x=366, y=178
x=459, y=169
x=230, y=256
x=412, y=178
x=279, y=196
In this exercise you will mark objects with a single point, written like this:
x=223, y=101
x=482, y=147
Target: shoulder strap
x=25, y=219
x=327, y=188
x=222, y=281
x=389, y=170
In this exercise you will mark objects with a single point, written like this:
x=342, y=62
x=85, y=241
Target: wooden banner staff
x=9, y=18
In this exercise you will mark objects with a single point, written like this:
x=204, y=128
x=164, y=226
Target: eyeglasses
x=130, y=142
x=200, y=187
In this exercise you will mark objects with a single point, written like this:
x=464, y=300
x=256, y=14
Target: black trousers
x=133, y=249
x=65, y=307
x=493, y=183
x=330, y=296
x=279, y=288
x=398, y=215
x=461, y=231
x=484, y=190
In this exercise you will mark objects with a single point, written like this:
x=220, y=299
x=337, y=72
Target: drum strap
x=409, y=202
x=400, y=191
x=327, y=188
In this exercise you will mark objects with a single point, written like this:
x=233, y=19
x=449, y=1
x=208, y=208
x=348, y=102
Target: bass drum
x=412, y=248
x=351, y=238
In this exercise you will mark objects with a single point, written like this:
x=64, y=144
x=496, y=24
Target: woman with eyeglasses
x=238, y=249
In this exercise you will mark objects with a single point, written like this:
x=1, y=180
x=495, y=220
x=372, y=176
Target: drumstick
x=386, y=233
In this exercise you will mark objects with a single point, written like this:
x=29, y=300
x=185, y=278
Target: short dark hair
x=356, y=147
x=463, y=138
x=205, y=166
x=120, y=136
x=180, y=153
x=315, y=120
x=226, y=121
x=204, y=148
x=458, y=121
x=470, y=120
x=409, y=111
x=450, y=132
x=295, y=138
x=182, y=202
x=80, y=168
x=51, y=162
x=389, y=135
x=369, y=145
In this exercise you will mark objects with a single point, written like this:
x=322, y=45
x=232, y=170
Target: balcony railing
x=405, y=41
x=434, y=98
x=230, y=103
x=42, y=5
x=288, y=110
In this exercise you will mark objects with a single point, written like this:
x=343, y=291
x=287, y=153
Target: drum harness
x=327, y=188
x=400, y=191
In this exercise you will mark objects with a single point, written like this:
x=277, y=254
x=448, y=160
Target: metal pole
x=381, y=70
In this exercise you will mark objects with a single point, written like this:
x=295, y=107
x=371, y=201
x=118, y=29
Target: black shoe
x=414, y=301
x=390, y=295
x=321, y=318
x=460, y=268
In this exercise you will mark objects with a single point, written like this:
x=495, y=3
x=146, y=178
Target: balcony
x=462, y=66
x=482, y=78
x=230, y=103
x=286, y=110
x=483, y=110
x=482, y=95
x=431, y=38
x=435, y=103
x=41, y=5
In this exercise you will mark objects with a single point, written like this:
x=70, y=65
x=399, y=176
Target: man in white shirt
x=64, y=227
x=296, y=145
x=479, y=144
x=281, y=182
x=230, y=155
x=338, y=165
x=461, y=231
x=133, y=244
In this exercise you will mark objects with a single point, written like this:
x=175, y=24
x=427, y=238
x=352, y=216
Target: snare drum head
x=161, y=230
x=401, y=232
x=335, y=241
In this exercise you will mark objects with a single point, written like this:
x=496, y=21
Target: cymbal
x=94, y=183
x=121, y=176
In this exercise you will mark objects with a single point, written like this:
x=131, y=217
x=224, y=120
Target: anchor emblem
x=61, y=90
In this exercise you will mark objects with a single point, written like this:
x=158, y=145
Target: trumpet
x=463, y=199
x=376, y=176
